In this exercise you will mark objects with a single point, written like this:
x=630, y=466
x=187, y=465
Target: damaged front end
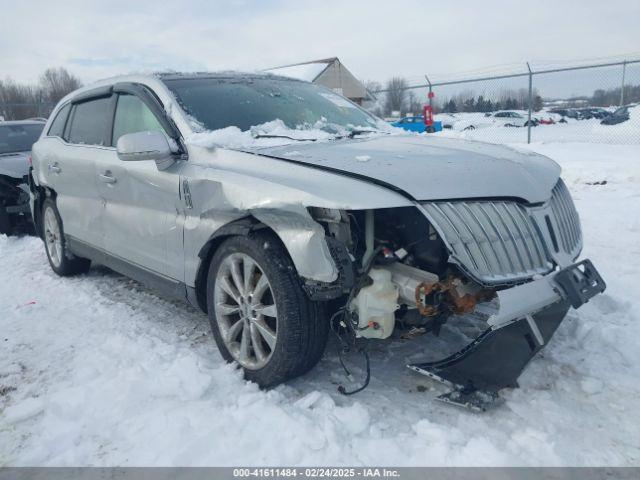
x=507, y=264
x=14, y=205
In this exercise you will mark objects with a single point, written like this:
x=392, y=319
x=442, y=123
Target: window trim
x=97, y=94
x=151, y=100
x=64, y=127
x=118, y=94
x=144, y=93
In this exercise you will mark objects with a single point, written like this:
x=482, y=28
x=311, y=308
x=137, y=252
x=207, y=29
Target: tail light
x=30, y=161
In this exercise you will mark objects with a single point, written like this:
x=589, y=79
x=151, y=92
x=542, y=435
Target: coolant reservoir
x=375, y=306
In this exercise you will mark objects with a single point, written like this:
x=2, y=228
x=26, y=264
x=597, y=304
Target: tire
x=299, y=326
x=62, y=261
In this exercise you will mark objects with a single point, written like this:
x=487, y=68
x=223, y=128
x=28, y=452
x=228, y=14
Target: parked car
x=416, y=124
x=513, y=119
x=593, y=112
x=566, y=113
x=474, y=120
x=619, y=116
x=16, y=139
x=190, y=183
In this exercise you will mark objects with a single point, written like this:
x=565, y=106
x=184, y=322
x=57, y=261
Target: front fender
x=226, y=186
x=304, y=239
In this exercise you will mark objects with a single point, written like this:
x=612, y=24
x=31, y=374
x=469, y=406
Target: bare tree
x=18, y=101
x=396, y=96
x=372, y=86
x=415, y=107
x=56, y=83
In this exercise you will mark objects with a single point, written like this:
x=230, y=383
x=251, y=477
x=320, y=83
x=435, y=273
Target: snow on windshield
x=244, y=110
x=277, y=133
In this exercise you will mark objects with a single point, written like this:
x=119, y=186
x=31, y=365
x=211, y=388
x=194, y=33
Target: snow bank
x=96, y=370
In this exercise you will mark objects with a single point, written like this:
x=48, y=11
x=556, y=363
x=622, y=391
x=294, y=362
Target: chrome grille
x=500, y=242
x=496, y=241
x=566, y=217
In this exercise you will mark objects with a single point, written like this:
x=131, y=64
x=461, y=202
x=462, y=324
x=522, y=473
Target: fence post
x=530, y=103
x=624, y=71
x=430, y=92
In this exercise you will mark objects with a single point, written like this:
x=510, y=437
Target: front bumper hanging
x=496, y=358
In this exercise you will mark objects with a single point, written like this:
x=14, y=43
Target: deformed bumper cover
x=496, y=358
x=527, y=319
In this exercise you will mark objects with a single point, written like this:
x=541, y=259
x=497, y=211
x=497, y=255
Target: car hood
x=14, y=164
x=431, y=168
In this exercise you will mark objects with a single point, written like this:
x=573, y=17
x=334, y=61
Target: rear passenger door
x=71, y=167
x=141, y=203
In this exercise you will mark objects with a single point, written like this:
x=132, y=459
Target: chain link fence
x=538, y=103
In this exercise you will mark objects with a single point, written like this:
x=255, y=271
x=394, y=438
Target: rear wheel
x=62, y=261
x=260, y=317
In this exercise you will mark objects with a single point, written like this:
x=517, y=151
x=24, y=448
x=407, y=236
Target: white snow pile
x=268, y=134
x=276, y=133
x=96, y=370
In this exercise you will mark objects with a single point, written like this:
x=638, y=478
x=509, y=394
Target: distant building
x=329, y=72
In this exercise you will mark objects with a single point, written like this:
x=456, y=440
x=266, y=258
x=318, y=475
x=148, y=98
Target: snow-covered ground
x=583, y=131
x=96, y=370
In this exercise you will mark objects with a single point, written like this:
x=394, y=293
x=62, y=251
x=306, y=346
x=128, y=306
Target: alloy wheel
x=52, y=237
x=245, y=311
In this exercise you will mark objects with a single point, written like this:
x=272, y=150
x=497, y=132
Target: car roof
x=10, y=123
x=156, y=80
x=231, y=74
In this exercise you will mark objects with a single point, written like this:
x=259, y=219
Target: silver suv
x=283, y=210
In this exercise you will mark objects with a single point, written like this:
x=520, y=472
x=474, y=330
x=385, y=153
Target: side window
x=57, y=126
x=90, y=122
x=132, y=116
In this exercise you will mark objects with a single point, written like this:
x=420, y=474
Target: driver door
x=141, y=202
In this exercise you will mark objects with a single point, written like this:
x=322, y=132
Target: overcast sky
x=374, y=39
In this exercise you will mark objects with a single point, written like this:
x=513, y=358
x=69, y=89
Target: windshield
x=244, y=102
x=19, y=138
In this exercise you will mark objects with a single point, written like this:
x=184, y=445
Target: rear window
x=90, y=122
x=19, y=138
x=57, y=126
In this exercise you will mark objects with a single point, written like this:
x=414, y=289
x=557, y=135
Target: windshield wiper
x=265, y=135
x=354, y=133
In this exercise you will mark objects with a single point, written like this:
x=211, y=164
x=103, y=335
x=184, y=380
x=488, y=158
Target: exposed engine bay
x=403, y=278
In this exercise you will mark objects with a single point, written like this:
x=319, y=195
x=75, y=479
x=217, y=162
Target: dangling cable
x=349, y=325
x=344, y=391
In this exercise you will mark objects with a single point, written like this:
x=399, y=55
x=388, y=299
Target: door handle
x=54, y=167
x=107, y=177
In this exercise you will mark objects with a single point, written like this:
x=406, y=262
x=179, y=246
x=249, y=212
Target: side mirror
x=145, y=146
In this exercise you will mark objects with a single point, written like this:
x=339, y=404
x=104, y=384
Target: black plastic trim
x=168, y=287
x=93, y=94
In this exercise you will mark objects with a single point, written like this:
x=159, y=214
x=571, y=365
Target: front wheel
x=260, y=317
x=62, y=261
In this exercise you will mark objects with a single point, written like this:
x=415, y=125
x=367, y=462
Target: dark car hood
x=431, y=168
x=14, y=164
